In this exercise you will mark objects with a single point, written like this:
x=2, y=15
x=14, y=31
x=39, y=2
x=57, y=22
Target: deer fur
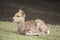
x=32, y=27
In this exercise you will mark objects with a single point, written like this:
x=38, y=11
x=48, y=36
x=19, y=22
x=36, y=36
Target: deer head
x=19, y=16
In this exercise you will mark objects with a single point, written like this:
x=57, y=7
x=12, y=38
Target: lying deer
x=32, y=27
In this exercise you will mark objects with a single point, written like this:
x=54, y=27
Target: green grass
x=8, y=31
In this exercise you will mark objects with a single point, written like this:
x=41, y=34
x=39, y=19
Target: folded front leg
x=30, y=33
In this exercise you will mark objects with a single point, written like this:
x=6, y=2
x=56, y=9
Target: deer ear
x=21, y=12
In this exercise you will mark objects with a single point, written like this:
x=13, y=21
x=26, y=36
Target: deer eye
x=18, y=16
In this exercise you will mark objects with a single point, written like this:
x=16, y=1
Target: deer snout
x=13, y=18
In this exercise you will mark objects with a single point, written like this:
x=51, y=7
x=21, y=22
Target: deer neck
x=21, y=23
x=21, y=26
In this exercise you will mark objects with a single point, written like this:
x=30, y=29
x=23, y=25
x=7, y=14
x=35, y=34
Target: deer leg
x=31, y=33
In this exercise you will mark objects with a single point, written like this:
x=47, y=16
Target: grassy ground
x=8, y=32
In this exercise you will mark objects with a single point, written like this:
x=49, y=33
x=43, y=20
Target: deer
x=31, y=27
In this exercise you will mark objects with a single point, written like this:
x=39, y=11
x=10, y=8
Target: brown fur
x=32, y=27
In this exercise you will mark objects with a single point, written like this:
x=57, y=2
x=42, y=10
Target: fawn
x=32, y=27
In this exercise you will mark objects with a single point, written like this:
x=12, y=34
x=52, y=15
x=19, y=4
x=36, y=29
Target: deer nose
x=13, y=17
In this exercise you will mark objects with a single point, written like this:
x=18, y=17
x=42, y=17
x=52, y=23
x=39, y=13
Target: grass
x=8, y=31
